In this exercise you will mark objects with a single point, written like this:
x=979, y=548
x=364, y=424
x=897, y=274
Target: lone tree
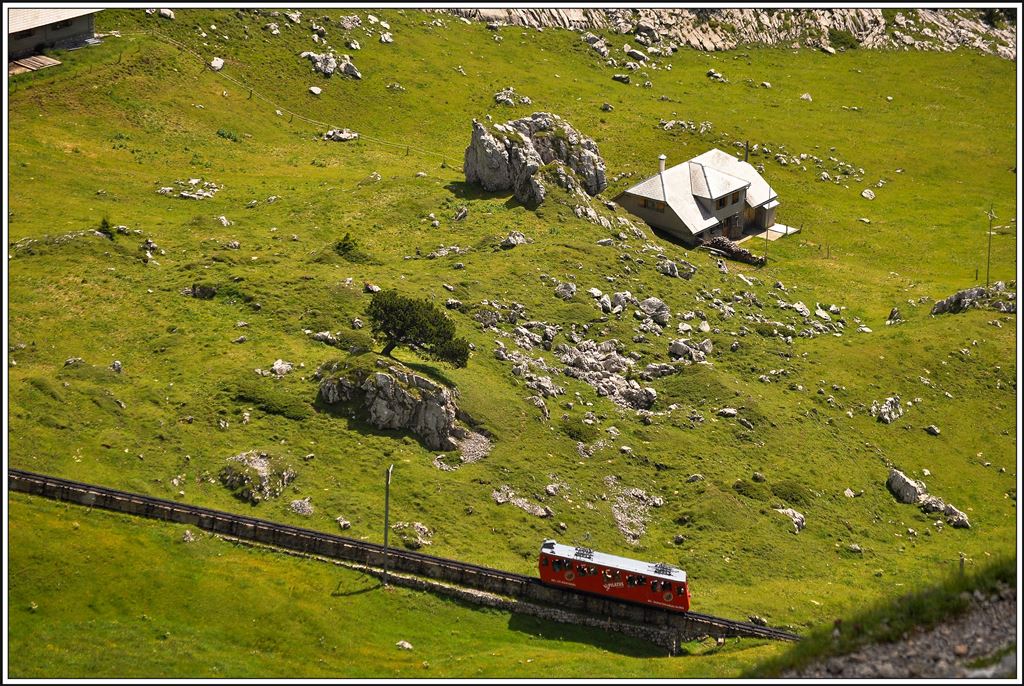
x=417, y=324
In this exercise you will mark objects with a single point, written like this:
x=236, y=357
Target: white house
x=713, y=194
x=32, y=30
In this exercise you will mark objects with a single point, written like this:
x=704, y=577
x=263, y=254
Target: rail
x=519, y=586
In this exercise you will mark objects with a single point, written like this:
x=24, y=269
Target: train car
x=619, y=577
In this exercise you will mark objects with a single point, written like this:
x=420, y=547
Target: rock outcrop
x=726, y=28
x=398, y=400
x=255, y=476
x=913, y=492
x=328, y=63
x=601, y=366
x=888, y=411
x=995, y=298
x=509, y=156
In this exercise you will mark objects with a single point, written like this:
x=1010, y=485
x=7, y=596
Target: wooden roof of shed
x=23, y=19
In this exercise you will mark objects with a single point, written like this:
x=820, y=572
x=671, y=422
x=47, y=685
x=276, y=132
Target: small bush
x=752, y=490
x=841, y=39
x=230, y=135
x=578, y=431
x=792, y=492
x=105, y=228
x=349, y=250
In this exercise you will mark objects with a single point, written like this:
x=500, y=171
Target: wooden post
x=387, y=497
x=962, y=557
x=988, y=262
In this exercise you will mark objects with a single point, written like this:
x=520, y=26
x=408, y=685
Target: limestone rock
x=905, y=489
x=798, y=519
x=508, y=156
x=888, y=411
x=399, y=400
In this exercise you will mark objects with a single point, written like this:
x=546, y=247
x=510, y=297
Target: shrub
x=752, y=490
x=349, y=250
x=841, y=39
x=792, y=492
x=105, y=228
x=398, y=320
x=230, y=135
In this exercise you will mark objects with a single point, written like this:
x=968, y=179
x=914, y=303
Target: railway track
x=519, y=586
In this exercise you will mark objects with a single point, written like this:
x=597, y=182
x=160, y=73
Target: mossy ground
x=123, y=118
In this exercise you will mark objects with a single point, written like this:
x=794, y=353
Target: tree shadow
x=611, y=641
x=471, y=191
x=431, y=372
x=372, y=584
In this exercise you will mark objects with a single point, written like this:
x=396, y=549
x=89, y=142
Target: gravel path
x=943, y=652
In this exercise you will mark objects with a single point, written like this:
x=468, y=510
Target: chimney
x=661, y=164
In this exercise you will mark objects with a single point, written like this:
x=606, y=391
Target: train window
x=681, y=590
x=654, y=586
x=557, y=565
x=543, y=562
x=581, y=570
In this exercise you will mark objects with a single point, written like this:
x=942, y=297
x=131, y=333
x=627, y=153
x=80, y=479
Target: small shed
x=713, y=194
x=30, y=31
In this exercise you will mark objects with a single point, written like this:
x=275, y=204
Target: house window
x=61, y=24
x=735, y=197
x=23, y=34
x=721, y=203
x=656, y=205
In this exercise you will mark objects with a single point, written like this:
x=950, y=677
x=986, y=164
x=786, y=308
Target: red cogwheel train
x=619, y=577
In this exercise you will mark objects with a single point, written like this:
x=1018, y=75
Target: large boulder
x=255, y=476
x=508, y=156
x=905, y=489
x=399, y=400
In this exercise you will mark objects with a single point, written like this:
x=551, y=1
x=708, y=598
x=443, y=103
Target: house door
x=732, y=226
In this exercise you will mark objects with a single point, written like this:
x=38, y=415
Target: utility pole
x=387, y=497
x=988, y=263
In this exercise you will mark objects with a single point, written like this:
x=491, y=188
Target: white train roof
x=585, y=555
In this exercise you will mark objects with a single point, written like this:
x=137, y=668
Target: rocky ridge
x=727, y=28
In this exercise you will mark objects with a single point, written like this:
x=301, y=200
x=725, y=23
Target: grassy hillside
x=269, y=615
x=98, y=136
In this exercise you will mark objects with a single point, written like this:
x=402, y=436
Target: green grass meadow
x=138, y=113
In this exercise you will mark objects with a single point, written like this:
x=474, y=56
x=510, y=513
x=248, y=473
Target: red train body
x=611, y=575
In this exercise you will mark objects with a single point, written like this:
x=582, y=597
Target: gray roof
x=24, y=19
x=709, y=176
x=710, y=183
x=758, y=193
x=623, y=563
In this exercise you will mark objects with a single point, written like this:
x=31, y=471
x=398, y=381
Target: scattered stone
x=216, y=64
x=341, y=135
x=513, y=239
x=889, y=411
x=868, y=194
x=258, y=478
x=932, y=429
x=797, y=518
x=565, y=290
x=302, y=507
x=404, y=645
